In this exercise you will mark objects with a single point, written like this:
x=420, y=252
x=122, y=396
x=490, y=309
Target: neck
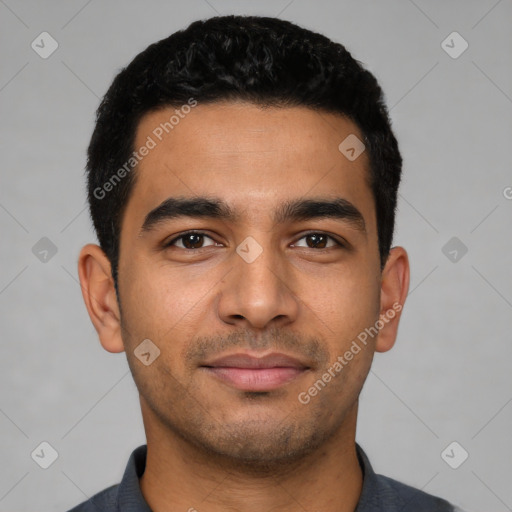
x=181, y=477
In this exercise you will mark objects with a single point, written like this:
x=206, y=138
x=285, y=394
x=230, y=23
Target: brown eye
x=191, y=240
x=318, y=241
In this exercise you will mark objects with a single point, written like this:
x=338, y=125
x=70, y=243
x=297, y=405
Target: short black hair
x=262, y=60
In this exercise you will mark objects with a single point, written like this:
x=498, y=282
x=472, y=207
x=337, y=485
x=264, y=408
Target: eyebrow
x=290, y=211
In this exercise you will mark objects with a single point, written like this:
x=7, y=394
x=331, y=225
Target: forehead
x=250, y=156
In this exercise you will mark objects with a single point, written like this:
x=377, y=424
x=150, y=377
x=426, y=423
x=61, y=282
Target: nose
x=258, y=294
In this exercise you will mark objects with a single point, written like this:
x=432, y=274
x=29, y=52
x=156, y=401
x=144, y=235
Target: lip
x=252, y=373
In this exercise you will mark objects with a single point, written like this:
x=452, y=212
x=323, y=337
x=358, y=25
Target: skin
x=212, y=446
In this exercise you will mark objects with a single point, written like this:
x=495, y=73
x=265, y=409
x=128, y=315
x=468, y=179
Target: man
x=242, y=180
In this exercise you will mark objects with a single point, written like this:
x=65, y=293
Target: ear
x=98, y=291
x=394, y=288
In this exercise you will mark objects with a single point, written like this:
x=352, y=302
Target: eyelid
x=340, y=243
x=171, y=242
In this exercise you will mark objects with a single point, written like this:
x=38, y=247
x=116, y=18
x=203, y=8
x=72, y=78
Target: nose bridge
x=256, y=290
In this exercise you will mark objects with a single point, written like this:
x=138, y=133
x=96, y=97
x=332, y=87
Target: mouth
x=250, y=373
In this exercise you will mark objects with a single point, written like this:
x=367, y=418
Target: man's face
x=262, y=282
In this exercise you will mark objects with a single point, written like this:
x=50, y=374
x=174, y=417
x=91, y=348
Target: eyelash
x=193, y=232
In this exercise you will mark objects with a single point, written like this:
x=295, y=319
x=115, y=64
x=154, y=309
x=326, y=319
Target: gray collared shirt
x=379, y=493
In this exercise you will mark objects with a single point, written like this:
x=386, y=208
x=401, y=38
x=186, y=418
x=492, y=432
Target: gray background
x=448, y=377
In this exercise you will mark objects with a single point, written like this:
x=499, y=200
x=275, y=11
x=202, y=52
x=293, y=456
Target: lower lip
x=256, y=379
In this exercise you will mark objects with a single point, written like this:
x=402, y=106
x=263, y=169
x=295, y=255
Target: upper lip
x=245, y=360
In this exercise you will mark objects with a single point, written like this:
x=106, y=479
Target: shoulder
x=383, y=494
x=124, y=495
x=393, y=495
x=103, y=501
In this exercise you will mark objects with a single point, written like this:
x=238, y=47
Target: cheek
x=346, y=309
x=163, y=304
x=347, y=301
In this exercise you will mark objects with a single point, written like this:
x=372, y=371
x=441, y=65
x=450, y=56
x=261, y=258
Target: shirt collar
x=129, y=495
x=130, y=498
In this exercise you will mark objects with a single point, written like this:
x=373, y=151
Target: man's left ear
x=394, y=288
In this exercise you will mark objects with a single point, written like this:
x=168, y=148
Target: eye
x=319, y=241
x=193, y=240
x=190, y=240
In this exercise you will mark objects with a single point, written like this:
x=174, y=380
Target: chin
x=259, y=446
